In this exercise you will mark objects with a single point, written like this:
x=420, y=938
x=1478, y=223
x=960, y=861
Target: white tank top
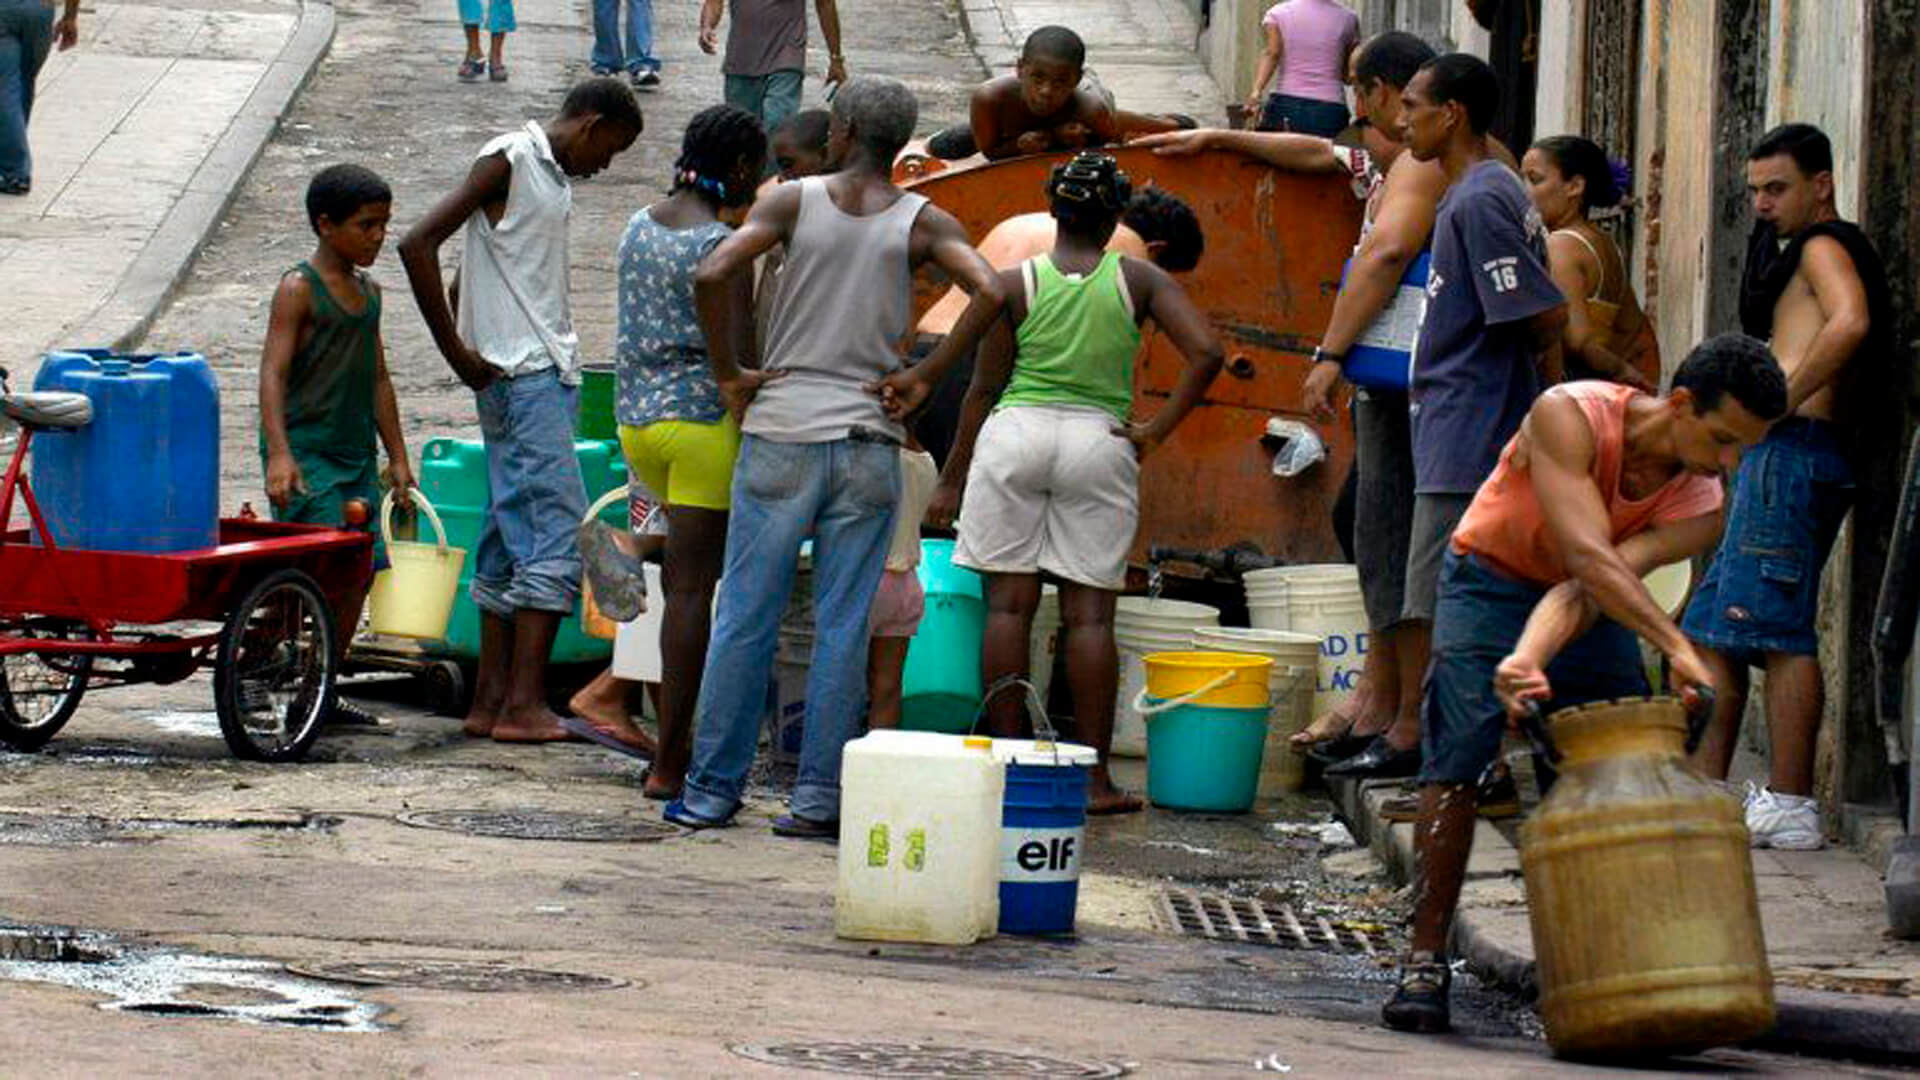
x=514, y=309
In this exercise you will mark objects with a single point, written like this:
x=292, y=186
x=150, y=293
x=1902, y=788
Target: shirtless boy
x=1814, y=290
x=1039, y=108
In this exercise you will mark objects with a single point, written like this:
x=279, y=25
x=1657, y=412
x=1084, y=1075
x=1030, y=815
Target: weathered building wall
x=1815, y=76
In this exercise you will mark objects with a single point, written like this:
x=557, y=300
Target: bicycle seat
x=52, y=409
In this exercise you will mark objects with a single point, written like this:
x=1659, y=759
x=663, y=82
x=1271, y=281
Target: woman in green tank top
x=1051, y=478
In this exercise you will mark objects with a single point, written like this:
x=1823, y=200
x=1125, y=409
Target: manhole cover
x=540, y=825
x=915, y=1059
x=1257, y=922
x=475, y=977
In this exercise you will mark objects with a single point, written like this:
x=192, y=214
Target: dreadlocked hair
x=721, y=145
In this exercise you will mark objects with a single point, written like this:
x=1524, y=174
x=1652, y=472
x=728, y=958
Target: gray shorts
x=1383, y=502
x=1434, y=519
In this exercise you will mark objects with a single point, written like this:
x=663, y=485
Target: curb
x=124, y=318
x=986, y=28
x=1490, y=933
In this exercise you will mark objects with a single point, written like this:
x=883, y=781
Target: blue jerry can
x=145, y=474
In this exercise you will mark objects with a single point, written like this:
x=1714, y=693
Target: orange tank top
x=1504, y=524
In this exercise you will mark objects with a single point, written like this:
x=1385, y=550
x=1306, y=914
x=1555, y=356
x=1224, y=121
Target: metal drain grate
x=476, y=977
x=540, y=825
x=915, y=1059
x=1238, y=918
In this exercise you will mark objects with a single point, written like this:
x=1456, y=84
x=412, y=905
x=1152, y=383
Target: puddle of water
x=185, y=723
x=161, y=982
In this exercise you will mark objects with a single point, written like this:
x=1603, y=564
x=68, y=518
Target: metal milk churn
x=1640, y=889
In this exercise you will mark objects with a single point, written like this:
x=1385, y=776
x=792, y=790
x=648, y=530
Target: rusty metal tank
x=1275, y=243
x=1646, y=926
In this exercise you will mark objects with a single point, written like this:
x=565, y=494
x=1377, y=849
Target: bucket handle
x=1043, y=728
x=419, y=500
x=600, y=505
x=1140, y=700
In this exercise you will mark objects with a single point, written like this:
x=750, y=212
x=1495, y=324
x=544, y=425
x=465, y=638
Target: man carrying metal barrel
x=1541, y=598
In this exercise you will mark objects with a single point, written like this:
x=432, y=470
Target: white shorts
x=1051, y=488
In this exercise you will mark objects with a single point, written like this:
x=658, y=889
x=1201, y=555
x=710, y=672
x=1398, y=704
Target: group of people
x=1513, y=493
x=1509, y=520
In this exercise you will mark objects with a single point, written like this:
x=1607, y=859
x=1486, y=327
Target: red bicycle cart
x=265, y=602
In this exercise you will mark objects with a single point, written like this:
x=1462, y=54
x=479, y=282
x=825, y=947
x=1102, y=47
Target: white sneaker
x=1786, y=822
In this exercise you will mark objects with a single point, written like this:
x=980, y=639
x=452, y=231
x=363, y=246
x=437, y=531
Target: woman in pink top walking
x=1307, y=44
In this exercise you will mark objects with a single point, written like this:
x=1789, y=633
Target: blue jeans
x=1307, y=116
x=528, y=555
x=843, y=494
x=1477, y=623
x=607, y=51
x=26, y=36
x=772, y=97
x=496, y=15
x=1761, y=594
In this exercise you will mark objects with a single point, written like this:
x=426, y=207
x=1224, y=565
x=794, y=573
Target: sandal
x=471, y=71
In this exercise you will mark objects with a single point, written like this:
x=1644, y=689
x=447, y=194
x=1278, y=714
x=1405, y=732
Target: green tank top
x=330, y=384
x=1076, y=345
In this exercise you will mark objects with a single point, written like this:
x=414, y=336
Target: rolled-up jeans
x=841, y=493
x=26, y=36
x=528, y=555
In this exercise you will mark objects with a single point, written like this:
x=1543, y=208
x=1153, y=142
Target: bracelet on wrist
x=1338, y=360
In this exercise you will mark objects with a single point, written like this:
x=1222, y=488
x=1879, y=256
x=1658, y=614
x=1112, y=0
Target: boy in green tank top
x=1054, y=486
x=324, y=389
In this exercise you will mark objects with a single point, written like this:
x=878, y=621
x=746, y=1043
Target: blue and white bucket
x=1043, y=834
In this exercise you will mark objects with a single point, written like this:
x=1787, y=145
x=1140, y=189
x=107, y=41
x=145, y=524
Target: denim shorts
x=1762, y=591
x=1479, y=619
x=1307, y=116
x=528, y=555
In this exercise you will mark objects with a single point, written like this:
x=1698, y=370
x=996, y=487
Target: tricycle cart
x=262, y=607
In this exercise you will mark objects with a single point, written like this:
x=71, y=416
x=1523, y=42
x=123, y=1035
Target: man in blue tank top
x=819, y=455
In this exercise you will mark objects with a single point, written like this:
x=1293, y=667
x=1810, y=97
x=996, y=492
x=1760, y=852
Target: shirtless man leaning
x=1815, y=290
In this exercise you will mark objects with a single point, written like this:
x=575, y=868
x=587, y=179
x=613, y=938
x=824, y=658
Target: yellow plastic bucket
x=414, y=595
x=1219, y=679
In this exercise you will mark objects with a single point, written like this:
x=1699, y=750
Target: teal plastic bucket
x=940, y=688
x=1204, y=757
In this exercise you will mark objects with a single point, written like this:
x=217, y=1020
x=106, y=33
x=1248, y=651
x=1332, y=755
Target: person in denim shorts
x=1815, y=290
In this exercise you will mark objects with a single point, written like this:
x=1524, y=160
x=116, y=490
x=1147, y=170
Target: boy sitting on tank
x=1055, y=486
x=324, y=389
x=1051, y=102
x=1541, y=596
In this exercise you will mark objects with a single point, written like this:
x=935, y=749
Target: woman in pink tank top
x=1308, y=42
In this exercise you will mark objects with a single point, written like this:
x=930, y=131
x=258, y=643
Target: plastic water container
x=453, y=473
x=940, y=688
x=1382, y=358
x=598, y=389
x=1322, y=600
x=1043, y=834
x=1141, y=626
x=636, y=644
x=919, y=851
x=787, y=697
x=1296, y=668
x=145, y=474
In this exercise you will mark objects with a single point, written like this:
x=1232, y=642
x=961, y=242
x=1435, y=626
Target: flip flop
x=576, y=725
x=676, y=812
x=619, y=583
x=799, y=828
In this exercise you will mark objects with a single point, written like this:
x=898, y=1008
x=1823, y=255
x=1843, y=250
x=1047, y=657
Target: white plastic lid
x=1029, y=752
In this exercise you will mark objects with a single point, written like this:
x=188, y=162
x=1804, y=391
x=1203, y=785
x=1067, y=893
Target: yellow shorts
x=684, y=462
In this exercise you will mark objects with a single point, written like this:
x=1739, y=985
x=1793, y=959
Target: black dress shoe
x=1379, y=761
x=1339, y=748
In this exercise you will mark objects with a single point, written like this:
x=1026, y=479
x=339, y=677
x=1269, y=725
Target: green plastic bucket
x=940, y=688
x=1203, y=757
x=597, y=392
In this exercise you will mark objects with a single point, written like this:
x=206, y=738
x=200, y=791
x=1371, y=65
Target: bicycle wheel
x=273, y=672
x=39, y=692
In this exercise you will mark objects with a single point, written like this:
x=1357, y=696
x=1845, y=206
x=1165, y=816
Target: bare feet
x=1331, y=724
x=479, y=724
x=1103, y=798
x=533, y=725
x=660, y=786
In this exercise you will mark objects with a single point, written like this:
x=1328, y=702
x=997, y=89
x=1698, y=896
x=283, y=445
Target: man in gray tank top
x=820, y=455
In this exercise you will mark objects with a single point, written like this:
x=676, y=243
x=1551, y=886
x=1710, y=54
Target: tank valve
x=1240, y=366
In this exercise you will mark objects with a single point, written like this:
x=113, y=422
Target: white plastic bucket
x=1295, y=673
x=1323, y=600
x=787, y=707
x=1046, y=641
x=1141, y=626
x=413, y=597
x=636, y=644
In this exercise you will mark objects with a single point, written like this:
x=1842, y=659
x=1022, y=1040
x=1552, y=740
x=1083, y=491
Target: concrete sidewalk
x=1844, y=988
x=1142, y=50
x=140, y=135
